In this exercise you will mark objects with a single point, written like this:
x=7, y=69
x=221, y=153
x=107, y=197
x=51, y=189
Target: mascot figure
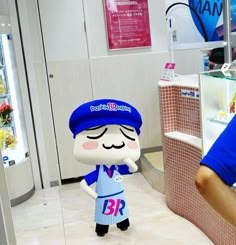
x=106, y=135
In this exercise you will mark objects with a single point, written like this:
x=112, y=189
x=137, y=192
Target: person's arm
x=219, y=195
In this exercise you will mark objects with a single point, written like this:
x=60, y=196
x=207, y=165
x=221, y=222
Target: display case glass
x=13, y=136
x=218, y=104
x=13, y=141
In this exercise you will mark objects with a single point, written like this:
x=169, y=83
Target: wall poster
x=127, y=24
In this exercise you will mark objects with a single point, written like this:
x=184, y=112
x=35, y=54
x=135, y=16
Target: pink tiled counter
x=180, y=117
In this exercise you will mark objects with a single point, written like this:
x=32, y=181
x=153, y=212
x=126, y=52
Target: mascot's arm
x=87, y=189
x=131, y=164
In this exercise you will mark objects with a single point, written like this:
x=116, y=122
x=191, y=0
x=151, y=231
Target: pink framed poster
x=127, y=24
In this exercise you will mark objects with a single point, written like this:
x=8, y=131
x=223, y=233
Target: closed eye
x=94, y=128
x=97, y=136
x=130, y=129
x=127, y=136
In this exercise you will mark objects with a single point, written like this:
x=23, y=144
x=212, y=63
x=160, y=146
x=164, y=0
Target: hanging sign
x=127, y=23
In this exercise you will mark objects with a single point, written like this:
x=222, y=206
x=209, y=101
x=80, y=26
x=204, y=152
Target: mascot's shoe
x=124, y=228
x=123, y=225
x=101, y=230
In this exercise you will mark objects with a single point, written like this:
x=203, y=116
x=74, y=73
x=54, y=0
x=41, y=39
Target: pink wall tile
x=181, y=162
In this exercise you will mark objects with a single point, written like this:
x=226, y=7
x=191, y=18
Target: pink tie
x=109, y=172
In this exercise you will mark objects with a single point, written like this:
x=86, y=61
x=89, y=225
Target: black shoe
x=124, y=228
x=123, y=225
x=101, y=230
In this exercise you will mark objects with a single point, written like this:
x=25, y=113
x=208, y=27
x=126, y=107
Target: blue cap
x=104, y=112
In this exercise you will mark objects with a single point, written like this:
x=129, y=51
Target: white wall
x=188, y=61
x=4, y=7
x=39, y=91
x=131, y=75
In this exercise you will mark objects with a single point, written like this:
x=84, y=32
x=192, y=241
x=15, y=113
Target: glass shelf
x=219, y=74
x=3, y=96
x=222, y=120
x=2, y=66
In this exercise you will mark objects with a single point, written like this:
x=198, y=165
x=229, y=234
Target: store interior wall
x=131, y=75
x=4, y=7
x=39, y=91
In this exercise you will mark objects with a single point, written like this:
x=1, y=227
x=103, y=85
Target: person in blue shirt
x=217, y=174
x=106, y=135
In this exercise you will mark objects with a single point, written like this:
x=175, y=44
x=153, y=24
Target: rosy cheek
x=90, y=145
x=132, y=145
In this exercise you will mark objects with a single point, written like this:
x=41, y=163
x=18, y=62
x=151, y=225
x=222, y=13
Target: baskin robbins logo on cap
x=110, y=106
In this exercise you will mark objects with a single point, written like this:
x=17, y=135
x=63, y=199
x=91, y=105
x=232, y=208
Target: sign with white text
x=127, y=23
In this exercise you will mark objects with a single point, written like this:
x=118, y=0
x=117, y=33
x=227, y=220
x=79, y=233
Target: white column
x=227, y=31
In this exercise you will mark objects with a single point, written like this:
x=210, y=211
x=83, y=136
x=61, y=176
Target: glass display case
x=13, y=137
x=7, y=127
x=218, y=104
x=13, y=141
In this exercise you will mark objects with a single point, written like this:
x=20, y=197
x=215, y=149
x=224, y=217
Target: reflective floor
x=54, y=217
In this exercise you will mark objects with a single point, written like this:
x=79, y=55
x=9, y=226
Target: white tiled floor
x=64, y=215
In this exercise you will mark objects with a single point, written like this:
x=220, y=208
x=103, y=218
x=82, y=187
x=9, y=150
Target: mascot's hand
x=131, y=164
x=86, y=188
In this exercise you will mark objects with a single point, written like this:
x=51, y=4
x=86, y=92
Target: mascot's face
x=108, y=144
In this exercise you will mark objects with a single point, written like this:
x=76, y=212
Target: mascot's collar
x=112, y=168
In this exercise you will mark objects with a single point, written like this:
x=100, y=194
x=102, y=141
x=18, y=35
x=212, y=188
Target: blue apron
x=111, y=207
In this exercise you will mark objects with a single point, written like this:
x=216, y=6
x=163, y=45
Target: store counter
x=182, y=151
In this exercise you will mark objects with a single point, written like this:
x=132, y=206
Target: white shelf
x=190, y=81
x=18, y=153
x=186, y=138
x=19, y=179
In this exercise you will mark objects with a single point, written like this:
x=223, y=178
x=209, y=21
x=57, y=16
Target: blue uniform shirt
x=92, y=177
